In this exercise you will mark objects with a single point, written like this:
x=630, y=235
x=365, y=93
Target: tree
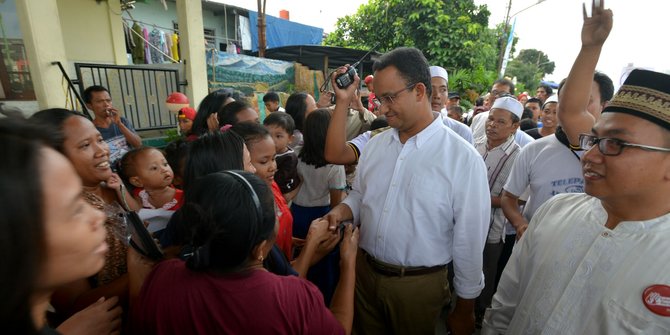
x=451, y=33
x=529, y=67
x=537, y=57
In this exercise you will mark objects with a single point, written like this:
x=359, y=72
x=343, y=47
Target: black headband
x=254, y=196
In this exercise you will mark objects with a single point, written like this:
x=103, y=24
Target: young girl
x=323, y=183
x=322, y=188
x=147, y=169
x=262, y=150
x=299, y=105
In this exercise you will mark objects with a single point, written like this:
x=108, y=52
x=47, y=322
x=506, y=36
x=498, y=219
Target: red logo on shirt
x=657, y=299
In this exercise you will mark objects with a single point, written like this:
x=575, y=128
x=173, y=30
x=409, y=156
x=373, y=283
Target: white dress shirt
x=424, y=203
x=569, y=274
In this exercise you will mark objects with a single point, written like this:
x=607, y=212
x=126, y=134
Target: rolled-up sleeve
x=472, y=210
x=354, y=198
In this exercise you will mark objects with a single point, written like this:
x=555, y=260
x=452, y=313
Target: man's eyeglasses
x=612, y=146
x=389, y=98
x=499, y=94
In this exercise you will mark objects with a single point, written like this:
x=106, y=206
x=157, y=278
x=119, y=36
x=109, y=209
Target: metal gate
x=139, y=92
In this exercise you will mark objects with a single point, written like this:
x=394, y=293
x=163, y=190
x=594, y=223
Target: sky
x=552, y=26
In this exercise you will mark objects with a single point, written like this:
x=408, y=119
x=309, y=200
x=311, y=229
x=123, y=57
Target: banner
x=508, y=48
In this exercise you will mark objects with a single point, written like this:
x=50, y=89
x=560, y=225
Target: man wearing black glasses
x=421, y=198
x=598, y=262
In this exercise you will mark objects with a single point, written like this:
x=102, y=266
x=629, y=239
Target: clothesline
x=150, y=44
x=172, y=29
x=149, y=24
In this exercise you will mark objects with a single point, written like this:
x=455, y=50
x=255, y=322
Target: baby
x=148, y=171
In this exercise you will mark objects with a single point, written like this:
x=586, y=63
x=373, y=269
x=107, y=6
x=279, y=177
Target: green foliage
x=171, y=135
x=471, y=83
x=537, y=57
x=452, y=33
x=529, y=67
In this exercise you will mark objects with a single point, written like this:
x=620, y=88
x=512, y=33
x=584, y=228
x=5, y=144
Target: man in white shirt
x=417, y=207
x=596, y=263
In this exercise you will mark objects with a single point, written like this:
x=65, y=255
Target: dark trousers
x=510, y=240
x=492, y=253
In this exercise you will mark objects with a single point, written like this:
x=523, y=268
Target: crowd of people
x=534, y=215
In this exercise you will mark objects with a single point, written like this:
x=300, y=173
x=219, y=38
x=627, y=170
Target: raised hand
x=344, y=96
x=114, y=182
x=213, y=122
x=597, y=27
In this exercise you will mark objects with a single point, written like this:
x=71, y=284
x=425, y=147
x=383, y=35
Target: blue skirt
x=326, y=273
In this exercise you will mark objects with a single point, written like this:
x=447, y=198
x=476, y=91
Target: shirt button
x=605, y=234
x=385, y=210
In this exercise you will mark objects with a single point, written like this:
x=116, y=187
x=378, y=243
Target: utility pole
x=503, y=38
x=262, y=43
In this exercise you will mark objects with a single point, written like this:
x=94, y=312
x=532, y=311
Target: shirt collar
x=506, y=147
x=423, y=136
x=659, y=223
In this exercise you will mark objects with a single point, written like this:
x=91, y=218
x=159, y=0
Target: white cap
x=510, y=104
x=438, y=71
x=553, y=98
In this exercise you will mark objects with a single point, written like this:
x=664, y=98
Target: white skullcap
x=553, y=98
x=510, y=104
x=438, y=71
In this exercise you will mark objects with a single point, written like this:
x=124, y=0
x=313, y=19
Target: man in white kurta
x=573, y=275
x=598, y=263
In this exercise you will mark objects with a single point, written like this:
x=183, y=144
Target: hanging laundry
x=175, y=47
x=138, y=49
x=147, y=48
x=128, y=39
x=168, y=44
x=155, y=40
x=164, y=47
x=231, y=48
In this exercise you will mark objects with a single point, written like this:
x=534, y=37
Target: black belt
x=400, y=271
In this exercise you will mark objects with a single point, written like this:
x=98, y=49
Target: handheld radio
x=345, y=79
